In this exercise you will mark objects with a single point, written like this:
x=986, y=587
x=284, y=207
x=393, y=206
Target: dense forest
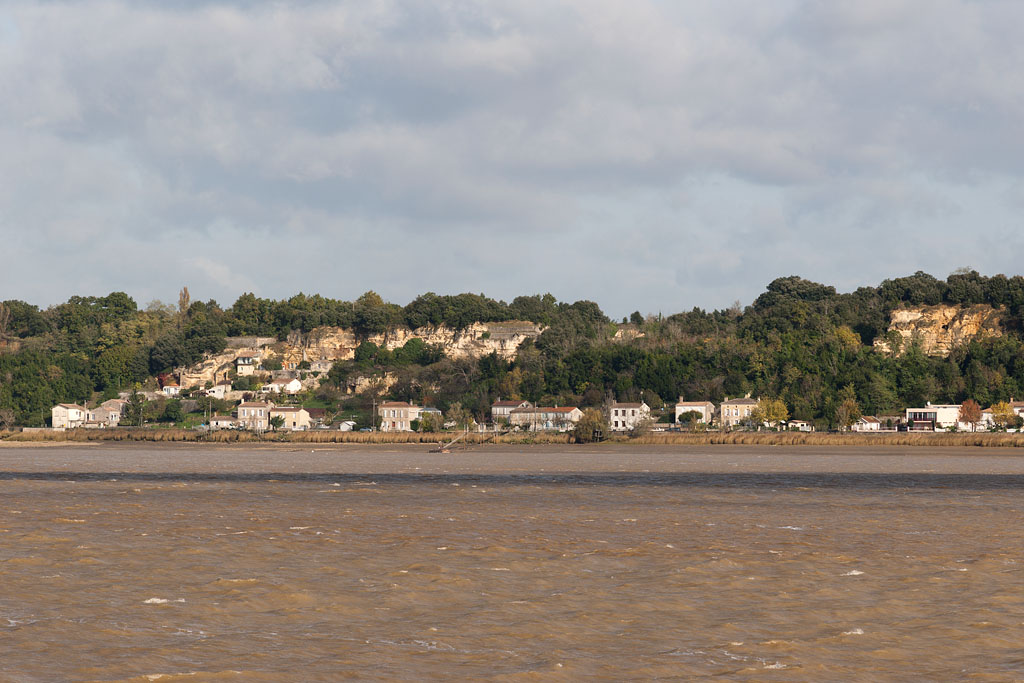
x=799, y=341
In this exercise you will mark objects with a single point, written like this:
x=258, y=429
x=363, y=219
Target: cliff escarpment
x=939, y=329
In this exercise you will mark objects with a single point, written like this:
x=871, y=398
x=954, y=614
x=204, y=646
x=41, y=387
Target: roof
x=693, y=403
x=287, y=409
x=254, y=404
x=545, y=409
x=221, y=417
x=397, y=404
x=628, y=405
x=70, y=405
x=869, y=418
x=505, y=404
x=740, y=401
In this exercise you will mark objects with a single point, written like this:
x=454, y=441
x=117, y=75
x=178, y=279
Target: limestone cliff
x=324, y=345
x=940, y=329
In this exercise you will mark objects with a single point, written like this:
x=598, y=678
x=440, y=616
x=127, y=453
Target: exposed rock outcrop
x=327, y=344
x=940, y=329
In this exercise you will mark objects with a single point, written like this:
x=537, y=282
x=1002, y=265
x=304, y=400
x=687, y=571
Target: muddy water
x=193, y=564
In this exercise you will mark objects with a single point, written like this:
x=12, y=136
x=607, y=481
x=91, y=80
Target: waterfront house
x=736, y=412
x=223, y=422
x=545, y=418
x=799, y=426
x=254, y=415
x=397, y=416
x=67, y=416
x=933, y=417
x=623, y=417
x=500, y=410
x=705, y=408
x=295, y=417
x=866, y=423
x=108, y=413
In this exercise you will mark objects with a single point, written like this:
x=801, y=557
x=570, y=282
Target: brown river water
x=276, y=564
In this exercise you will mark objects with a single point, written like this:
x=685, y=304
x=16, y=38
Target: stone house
x=500, y=409
x=397, y=416
x=623, y=417
x=737, y=411
x=295, y=417
x=254, y=415
x=545, y=418
x=108, y=413
x=246, y=363
x=220, y=389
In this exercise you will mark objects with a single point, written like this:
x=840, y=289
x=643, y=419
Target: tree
x=847, y=413
x=1002, y=414
x=430, y=422
x=462, y=417
x=970, y=412
x=276, y=422
x=591, y=426
x=134, y=409
x=6, y=418
x=690, y=418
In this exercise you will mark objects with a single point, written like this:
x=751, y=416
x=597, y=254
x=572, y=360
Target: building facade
x=736, y=412
x=545, y=418
x=705, y=408
x=397, y=416
x=254, y=415
x=624, y=417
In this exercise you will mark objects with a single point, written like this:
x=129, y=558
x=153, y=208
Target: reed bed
x=961, y=439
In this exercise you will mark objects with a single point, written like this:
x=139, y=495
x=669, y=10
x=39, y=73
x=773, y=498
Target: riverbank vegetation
x=799, y=342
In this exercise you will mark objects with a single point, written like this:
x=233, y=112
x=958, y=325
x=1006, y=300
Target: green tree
x=276, y=422
x=591, y=427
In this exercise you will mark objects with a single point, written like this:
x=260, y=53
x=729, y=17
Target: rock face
x=940, y=329
x=328, y=344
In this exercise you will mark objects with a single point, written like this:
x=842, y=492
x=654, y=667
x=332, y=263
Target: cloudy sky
x=646, y=155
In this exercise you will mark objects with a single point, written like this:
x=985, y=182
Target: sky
x=646, y=155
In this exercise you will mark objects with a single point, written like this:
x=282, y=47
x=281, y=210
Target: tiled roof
x=505, y=404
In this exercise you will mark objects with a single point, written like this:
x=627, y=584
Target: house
x=500, y=410
x=220, y=389
x=347, y=425
x=108, y=413
x=283, y=385
x=295, y=417
x=737, y=411
x=171, y=389
x=254, y=415
x=246, y=363
x=223, y=422
x=866, y=423
x=397, y=416
x=933, y=417
x=705, y=408
x=545, y=418
x=799, y=426
x=67, y=416
x=437, y=417
x=317, y=416
x=623, y=417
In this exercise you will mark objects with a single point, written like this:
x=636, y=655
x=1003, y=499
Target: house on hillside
x=67, y=416
x=624, y=417
x=545, y=418
x=220, y=389
x=246, y=363
x=705, y=408
x=736, y=412
x=282, y=385
x=397, y=416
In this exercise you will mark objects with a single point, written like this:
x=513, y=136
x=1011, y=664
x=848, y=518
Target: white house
x=799, y=426
x=705, y=408
x=544, y=418
x=246, y=363
x=223, y=422
x=220, y=389
x=866, y=423
x=934, y=417
x=67, y=416
x=171, y=389
x=283, y=385
x=397, y=416
x=623, y=417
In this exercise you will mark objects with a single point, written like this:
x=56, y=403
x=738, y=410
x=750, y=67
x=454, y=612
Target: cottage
x=623, y=417
x=295, y=417
x=108, y=413
x=736, y=411
x=866, y=423
x=223, y=422
x=254, y=415
x=799, y=426
x=67, y=416
x=545, y=418
x=706, y=409
x=397, y=416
